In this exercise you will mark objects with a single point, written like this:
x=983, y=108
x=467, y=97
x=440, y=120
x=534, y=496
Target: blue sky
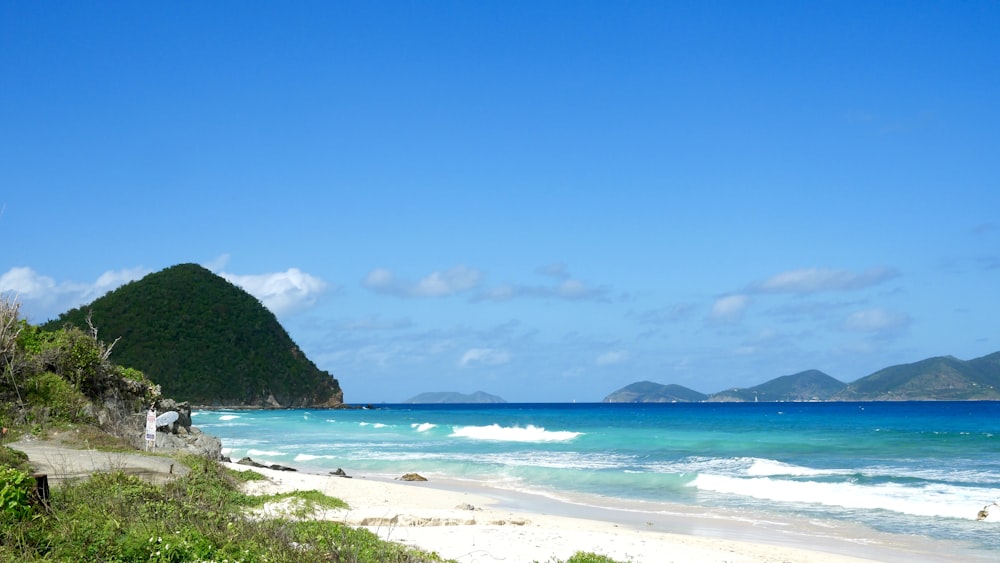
x=542, y=200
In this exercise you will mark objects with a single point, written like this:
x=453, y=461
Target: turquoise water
x=911, y=468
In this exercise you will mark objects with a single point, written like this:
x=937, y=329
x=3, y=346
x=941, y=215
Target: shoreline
x=470, y=521
x=506, y=525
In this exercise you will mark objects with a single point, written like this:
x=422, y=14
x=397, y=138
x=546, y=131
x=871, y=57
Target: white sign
x=151, y=426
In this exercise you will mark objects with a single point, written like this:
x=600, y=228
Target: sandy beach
x=474, y=524
x=471, y=523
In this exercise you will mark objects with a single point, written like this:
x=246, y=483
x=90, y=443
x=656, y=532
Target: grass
x=203, y=516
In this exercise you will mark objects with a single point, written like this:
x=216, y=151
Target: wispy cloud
x=876, y=320
x=284, y=293
x=664, y=315
x=484, y=356
x=438, y=284
x=815, y=280
x=43, y=296
x=612, y=357
x=375, y=322
x=567, y=288
x=729, y=308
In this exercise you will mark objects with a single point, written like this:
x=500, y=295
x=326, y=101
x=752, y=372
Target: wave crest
x=498, y=433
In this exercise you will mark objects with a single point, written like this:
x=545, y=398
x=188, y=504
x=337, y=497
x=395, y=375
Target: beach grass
x=202, y=516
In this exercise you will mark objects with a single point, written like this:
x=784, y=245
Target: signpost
x=150, y=429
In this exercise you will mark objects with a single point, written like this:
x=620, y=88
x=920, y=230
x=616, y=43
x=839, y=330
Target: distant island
x=943, y=378
x=449, y=397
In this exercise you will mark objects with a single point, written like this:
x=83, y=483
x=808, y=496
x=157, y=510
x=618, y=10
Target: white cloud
x=729, y=308
x=484, y=356
x=876, y=320
x=27, y=283
x=45, y=298
x=283, y=293
x=812, y=280
x=613, y=357
x=437, y=284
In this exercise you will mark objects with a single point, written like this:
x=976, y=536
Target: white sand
x=438, y=520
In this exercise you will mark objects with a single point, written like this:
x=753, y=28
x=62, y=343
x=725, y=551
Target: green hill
x=446, y=397
x=810, y=385
x=944, y=378
x=205, y=340
x=650, y=392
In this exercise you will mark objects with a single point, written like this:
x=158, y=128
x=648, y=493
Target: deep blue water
x=924, y=468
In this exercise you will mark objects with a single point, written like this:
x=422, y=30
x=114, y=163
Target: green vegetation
x=64, y=376
x=205, y=341
x=200, y=517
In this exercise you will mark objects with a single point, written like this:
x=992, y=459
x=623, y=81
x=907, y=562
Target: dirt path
x=61, y=462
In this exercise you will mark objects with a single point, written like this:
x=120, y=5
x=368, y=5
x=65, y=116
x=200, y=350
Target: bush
x=63, y=401
x=15, y=494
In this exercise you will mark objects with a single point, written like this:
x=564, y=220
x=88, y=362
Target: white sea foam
x=229, y=417
x=771, y=468
x=424, y=427
x=495, y=432
x=311, y=457
x=929, y=500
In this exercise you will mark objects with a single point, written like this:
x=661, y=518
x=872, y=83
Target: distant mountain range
x=943, y=378
x=447, y=397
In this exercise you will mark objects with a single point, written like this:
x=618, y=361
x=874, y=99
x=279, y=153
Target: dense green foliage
x=206, y=341
x=64, y=376
x=15, y=486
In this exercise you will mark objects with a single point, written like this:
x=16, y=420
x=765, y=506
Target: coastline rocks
x=193, y=441
x=340, y=473
x=412, y=477
x=183, y=414
x=274, y=466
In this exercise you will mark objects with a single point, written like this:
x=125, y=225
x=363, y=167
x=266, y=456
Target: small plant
x=15, y=494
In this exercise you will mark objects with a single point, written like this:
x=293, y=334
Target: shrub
x=63, y=401
x=15, y=491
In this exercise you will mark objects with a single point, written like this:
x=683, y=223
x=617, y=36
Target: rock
x=183, y=413
x=274, y=466
x=195, y=442
x=412, y=477
x=340, y=473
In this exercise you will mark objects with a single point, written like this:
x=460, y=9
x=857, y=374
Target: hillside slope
x=944, y=378
x=206, y=341
x=809, y=385
x=650, y=392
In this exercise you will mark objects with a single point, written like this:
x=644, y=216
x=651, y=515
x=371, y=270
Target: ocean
x=918, y=469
